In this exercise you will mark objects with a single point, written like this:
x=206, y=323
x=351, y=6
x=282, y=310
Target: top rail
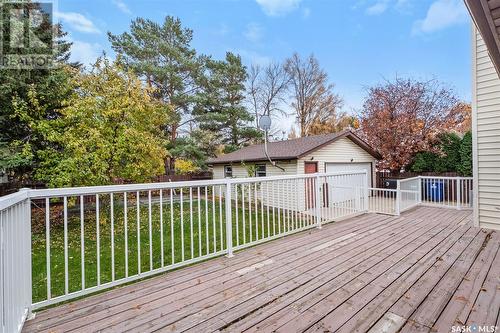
x=408, y=179
x=13, y=199
x=89, y=190
x=438, y=177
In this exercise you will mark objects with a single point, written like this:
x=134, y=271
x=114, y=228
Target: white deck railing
x=450, y=192
x=90, y=238
x=15, y=261
x=447, y=192
x=58, y=244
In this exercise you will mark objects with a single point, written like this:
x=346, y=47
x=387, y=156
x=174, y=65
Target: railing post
x=459, y=193
x=26, y=223
x=365, y=191
x=318, y=201
x=229, y=220
x=398, y=198
x=419, y=190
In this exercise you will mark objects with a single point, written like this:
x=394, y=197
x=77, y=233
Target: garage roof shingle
x=290, y=149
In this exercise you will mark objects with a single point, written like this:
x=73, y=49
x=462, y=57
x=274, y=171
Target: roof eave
x=285, y=158
x=483, y=20
x=353, y=137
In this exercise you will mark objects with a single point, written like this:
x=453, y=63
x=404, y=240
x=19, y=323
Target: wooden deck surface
x=424, y=271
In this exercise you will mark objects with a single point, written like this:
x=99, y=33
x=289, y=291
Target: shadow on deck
x=426, y=270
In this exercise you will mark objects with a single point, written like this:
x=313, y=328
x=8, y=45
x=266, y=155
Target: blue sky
x=358, y=42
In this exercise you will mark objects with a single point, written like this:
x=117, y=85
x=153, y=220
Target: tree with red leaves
x=403, y=117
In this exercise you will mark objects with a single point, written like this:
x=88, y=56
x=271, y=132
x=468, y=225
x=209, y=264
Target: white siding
x=274, y=190
x=486, y=130
x=241, y=171
x=341, y=151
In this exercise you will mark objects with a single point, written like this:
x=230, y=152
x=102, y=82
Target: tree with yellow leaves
x=110, y=128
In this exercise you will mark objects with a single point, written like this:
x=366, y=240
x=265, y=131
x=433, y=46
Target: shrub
x=184, y=167
x=465, y=167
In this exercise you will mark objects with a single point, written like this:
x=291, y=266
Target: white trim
x=90, y=190
x=13, y=199
x=475, y=169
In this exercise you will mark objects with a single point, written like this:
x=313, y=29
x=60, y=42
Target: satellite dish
x=265, y=123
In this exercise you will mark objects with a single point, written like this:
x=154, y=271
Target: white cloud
x=253, y=32
x=122, y=6
x=441, y=15
x=306, y=12
x=378, y=7
x=86, y=53
x=253, y=57
x=77, y=21
x=278, y=7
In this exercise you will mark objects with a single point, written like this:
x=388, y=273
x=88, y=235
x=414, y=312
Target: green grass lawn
x=173, y=243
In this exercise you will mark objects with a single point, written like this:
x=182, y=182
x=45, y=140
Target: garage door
x=341, y=167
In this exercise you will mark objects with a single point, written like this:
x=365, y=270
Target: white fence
x=446, y=192
x=90, y=238
x=15, y=261
x=383, y=201
x=450, y=192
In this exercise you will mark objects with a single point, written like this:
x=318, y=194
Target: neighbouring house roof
x=486, y=16
x=291, y=149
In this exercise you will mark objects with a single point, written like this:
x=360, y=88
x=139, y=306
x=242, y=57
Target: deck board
x=424, y=271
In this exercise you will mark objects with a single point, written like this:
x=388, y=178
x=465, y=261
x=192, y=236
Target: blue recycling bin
x=435, y=191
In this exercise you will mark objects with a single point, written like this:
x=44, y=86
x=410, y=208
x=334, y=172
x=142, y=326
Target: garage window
x=260, y=170
x=228, y=171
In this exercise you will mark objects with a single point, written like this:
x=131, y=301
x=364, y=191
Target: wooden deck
x=424, y=271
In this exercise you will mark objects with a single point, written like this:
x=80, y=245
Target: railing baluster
x=280, y=207
x=250, y=211
x=112, y=236
x=138, y=220
x=229, y=220
x=162, y=248
x=172, y=242
x=182, y=223
x=263, y=234
x=47, y=246
x=150, y=229
x=274, y=208
x=125, y=222
x=66, y=275
x=294, y=204
x=82, y=243
x=98, y=242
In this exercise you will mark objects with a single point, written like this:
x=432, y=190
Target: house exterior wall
x=270, y=193
x=486, y=135
x=341, y=151
x=240, y=170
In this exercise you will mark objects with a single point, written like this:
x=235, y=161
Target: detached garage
x=343, y=151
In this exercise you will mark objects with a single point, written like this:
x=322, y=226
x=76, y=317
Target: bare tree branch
x=313, y=98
